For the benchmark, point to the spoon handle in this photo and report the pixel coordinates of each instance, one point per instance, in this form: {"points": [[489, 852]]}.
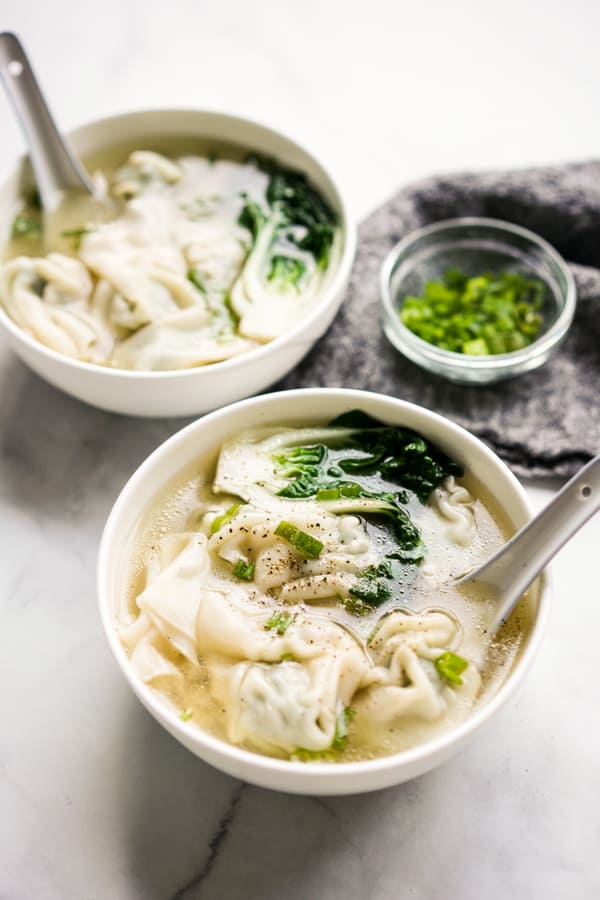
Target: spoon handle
{"points": [[510, 571], [56, 168]]}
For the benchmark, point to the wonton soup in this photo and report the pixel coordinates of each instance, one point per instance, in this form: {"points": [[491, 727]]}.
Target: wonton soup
{"points": [[295, 596], [183, 258]]}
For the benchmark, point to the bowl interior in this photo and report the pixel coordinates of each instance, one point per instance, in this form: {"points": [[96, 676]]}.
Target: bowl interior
{"points": [[183, 451]]}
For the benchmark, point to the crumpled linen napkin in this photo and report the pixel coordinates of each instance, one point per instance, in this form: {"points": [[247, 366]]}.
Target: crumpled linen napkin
{"points": [[544, 424]]}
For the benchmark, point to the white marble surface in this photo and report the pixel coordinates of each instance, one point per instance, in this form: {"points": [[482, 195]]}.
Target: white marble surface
{"points": [[97, 801]]}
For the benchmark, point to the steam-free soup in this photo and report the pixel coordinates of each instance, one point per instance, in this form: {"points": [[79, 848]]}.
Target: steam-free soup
{"points": [[297, 597], [179, 261]]}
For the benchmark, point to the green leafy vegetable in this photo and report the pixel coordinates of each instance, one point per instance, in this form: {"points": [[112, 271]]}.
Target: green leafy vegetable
{"points": [[292, 230], [451, 666], [299, 204], [286, 272], [224, 318], [279, 622], [478, 316], [224, 519], [25, 226], [194, 276], [305, 543], [252, 217], [376, 471], [373, 453], [356, 606], [244, 570], [371, 587]]}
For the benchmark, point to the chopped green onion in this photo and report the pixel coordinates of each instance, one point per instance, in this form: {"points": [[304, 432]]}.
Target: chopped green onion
{"points": [[344, 716], [328, 494], [224, 519], [478, 316], [307, 544], [348, 490], [287, 657], [77, 234], [185, 715], [287, 530], [244, 570], [451, 666], [25, 226], [300, 754], [279, 622]]}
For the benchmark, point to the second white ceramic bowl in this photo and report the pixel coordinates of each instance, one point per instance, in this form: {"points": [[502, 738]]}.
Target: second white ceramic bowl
{"points": [[187, 391], [186, 450]]}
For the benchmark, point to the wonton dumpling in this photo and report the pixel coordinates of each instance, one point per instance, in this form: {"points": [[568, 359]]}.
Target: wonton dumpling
{"points": [[291, 704], [250, 535], [144, 167], [179, 341], [173, 597], [404, 681], [231, 623], [47, 297], [455, 504]]}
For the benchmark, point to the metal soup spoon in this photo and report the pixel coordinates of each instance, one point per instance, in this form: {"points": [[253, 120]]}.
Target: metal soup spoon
{"points": [[508, 574], [55, 166]]}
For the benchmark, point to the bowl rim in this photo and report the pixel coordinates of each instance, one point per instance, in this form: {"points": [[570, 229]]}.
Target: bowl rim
{"points": [[316, 771], [348, 228], [450, 359]]}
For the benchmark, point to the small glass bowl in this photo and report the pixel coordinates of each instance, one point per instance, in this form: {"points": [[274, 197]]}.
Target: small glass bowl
{"points": [[476, 246]]}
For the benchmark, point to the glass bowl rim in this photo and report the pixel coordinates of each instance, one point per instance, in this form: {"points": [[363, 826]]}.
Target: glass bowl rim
{"points": [[541, 347]]}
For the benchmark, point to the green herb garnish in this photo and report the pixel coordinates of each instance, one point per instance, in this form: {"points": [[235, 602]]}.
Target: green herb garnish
{"points": [[77, 234], [478, 316], [224, 519], [185, 715], [244, 570], [279, 622], [25, 226], [305, 543], [301, 754], [451, 666], [345, 715]]}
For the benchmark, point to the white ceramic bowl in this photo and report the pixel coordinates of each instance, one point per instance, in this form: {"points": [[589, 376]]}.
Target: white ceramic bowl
{"points": [[294, 407], [188, 391]]}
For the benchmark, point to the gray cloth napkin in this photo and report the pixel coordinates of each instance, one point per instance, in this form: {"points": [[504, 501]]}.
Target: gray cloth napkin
{"points": [[545, 424]]}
